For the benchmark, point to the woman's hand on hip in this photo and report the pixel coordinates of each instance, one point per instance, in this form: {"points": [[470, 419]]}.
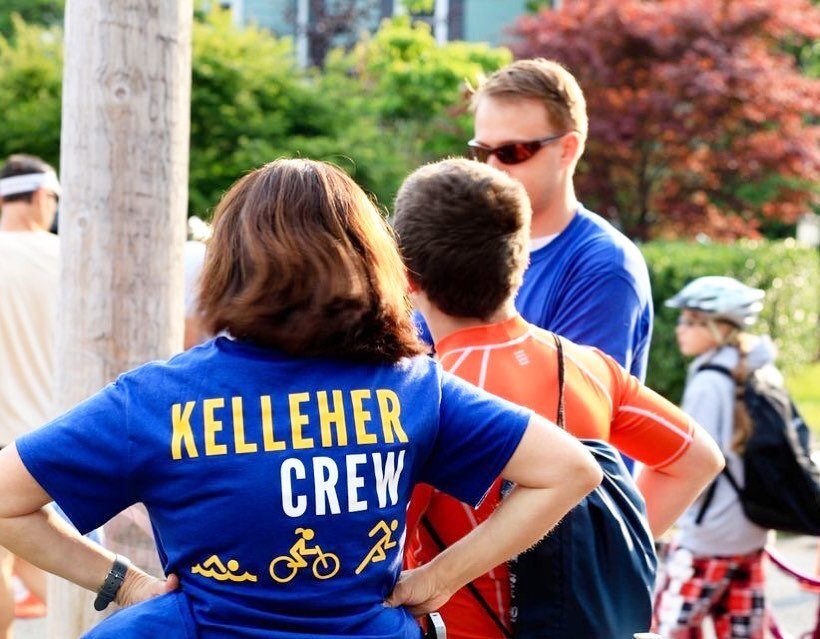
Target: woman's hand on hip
{"points": [[140, 586], [420, 591]]}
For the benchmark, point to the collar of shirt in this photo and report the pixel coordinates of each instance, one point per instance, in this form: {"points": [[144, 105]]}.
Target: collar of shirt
{"points": [[537, 243], [484, 335]]}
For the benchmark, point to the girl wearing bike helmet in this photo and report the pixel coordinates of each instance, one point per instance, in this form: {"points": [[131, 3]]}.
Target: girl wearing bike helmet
{"points": [[716, 569]]}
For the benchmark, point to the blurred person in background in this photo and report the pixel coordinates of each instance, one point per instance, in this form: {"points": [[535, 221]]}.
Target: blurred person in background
{"points": [[716, 569], [199, 232], [29, 280]]}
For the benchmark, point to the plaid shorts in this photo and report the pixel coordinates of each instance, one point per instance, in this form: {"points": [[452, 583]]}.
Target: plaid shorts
{"points": [[728, 589]]}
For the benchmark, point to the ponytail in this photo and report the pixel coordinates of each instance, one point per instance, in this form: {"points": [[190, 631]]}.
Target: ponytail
{"points": [[742, 429]]}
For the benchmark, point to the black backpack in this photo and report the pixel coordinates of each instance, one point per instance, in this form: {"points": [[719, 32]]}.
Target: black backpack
{"points": [[782, 484]]}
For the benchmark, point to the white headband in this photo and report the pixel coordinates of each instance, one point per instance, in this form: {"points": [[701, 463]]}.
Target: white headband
{"points": [[29, 183]]}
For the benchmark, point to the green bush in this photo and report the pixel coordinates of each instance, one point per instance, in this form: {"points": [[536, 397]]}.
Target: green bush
{"points": [[379, 111], [31, 67], [250, 104], [47, 13], [805, 391], [413, 91], [789, 274]]}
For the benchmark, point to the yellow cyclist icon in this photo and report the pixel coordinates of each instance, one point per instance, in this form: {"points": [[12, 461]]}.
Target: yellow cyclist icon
{"points": [[285, 567], [385, 542]]}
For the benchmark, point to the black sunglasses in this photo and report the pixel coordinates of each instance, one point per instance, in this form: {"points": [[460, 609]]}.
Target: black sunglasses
{"points": [[512, 152]]}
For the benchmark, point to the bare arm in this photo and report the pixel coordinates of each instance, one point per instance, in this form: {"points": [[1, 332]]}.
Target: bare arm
{"points": [[553, 472], [670, 490], [681, 457], [44, 539]]}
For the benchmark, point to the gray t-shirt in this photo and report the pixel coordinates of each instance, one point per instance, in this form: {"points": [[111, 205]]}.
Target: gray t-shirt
{"points": [[709, 399]]}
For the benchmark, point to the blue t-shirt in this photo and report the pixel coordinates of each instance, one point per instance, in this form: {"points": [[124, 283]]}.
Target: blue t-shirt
{"points": [[277, 487], [591, 285]]}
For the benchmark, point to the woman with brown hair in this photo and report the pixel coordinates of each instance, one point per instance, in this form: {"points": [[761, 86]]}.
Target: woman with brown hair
{"points": [[277, 460]]}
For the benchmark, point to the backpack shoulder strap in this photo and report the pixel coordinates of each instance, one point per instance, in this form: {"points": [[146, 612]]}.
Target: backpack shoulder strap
{"points": [[709, 495], [727, 473], [716, 367], [559, 347], [710, 492]]}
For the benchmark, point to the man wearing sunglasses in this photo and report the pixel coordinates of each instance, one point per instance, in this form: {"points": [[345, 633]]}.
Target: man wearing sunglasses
{"points": [[585, 280]]}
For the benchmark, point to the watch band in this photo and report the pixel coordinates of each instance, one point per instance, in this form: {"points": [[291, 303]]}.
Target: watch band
{"points": [[112, 583]]}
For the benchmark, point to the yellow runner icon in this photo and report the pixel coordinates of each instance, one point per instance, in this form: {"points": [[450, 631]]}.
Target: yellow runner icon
{"points": [[213, 568], [385, 542], [285, 567]]}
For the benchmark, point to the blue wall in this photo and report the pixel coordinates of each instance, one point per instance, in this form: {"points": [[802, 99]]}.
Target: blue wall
{"points": [[486, 20], [277, 15]]}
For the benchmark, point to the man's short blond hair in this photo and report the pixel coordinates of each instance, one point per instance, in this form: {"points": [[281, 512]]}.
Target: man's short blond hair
{"points": [[543, 80]]}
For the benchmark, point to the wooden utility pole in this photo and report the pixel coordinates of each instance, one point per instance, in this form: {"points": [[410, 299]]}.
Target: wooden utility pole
{"points": [[124, 168]]}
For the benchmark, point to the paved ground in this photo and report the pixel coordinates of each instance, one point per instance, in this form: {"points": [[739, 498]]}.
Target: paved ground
{"points": [[795, 609]]}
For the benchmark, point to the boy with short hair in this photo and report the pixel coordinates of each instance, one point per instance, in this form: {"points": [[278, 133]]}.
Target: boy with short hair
{"points": [[463, 230]]}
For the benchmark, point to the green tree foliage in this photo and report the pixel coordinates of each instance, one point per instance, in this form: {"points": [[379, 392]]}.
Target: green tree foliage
{"points": [[412, 77], [379, 111], [789, 274], [534, 6], [699, 121], [48, 13], [31, 63], [809, 59], [419, 6], [392, 103], [414, 90], [249, 104], [806, 51]]}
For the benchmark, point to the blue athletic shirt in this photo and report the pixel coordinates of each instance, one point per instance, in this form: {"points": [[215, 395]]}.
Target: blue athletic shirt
{"points": [[591, 285], [277, 486]]}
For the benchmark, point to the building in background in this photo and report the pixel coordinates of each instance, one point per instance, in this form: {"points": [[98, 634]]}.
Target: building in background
{"points": [[808, 230], [317, 25]]}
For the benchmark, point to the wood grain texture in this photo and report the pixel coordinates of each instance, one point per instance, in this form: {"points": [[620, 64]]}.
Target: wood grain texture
{"points": [[124, 168]]}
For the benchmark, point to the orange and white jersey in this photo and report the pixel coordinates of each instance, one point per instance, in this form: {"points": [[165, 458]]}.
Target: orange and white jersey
{"points": [[518, 361]]}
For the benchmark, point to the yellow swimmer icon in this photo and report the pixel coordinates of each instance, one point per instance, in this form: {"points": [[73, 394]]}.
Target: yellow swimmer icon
{"points": [[213, 568], [385, 542], [285, 567]]}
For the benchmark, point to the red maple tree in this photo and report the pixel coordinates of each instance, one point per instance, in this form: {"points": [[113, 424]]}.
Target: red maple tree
{"points": [[699, 119]]}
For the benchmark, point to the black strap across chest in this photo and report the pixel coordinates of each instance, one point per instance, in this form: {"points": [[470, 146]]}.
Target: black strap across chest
{"points": [[428, 525]]}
